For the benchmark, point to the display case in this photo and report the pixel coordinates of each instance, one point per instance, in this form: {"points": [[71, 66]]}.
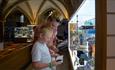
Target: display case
{"points": [[21, 32], [24, 33]]}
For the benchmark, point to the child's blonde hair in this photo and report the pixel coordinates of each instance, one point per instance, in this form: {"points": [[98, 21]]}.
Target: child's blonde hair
{"points": [[42, 30], [46, 31]]}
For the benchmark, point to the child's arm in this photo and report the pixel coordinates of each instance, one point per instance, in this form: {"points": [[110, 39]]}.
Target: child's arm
{"points": [[39, 65]]}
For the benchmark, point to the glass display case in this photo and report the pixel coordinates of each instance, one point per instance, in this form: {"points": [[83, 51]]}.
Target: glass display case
{"points": [[24, 32], [21, 32]]}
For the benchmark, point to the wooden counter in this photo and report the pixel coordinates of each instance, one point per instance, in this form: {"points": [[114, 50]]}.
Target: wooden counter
{"points": [[16, 57]]}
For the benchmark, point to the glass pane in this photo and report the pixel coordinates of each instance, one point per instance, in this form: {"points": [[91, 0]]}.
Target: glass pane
{"points": [[82, 37]]}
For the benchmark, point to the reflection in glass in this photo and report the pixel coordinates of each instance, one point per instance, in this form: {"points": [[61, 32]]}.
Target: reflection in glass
{"points": [[82, 37]]}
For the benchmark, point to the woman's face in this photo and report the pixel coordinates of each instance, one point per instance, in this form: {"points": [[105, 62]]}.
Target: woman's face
{"points": [[55, 24]]}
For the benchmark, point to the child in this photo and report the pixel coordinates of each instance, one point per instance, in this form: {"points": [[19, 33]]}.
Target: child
{"points": [[41, 57]]}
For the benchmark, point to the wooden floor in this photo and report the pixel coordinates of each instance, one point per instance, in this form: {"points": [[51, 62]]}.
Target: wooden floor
{"points": [[66, 65]]}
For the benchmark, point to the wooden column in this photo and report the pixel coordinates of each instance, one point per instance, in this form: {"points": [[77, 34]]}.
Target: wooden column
{"points": [[101, 27]]}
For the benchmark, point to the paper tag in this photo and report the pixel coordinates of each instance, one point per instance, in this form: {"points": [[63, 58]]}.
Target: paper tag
{"points": [[59, 58]]}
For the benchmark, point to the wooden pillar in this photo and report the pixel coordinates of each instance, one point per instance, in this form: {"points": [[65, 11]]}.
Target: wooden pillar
{"points": [[101, 27]]}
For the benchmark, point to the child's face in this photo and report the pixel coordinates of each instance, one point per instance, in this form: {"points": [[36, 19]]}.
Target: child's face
{"points": [[47, 37]]}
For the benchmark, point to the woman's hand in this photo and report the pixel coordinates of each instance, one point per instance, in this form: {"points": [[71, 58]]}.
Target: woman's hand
{"points": [[55, 48], [53, 53]]}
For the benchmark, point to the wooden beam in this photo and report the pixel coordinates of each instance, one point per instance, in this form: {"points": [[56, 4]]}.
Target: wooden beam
{"points": [[111, 13], [101, 34]]}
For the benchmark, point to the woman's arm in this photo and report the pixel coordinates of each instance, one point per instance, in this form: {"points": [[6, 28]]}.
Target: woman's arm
{"points": [[54, 48]]}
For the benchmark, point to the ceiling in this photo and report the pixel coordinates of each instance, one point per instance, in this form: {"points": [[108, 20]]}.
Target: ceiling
{"points": [[35, 8]]}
